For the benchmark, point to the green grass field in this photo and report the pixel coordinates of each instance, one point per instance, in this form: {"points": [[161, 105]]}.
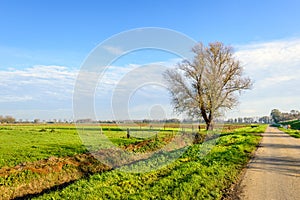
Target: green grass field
{"points": [[34, 142], [37, 158], [30, 143]]}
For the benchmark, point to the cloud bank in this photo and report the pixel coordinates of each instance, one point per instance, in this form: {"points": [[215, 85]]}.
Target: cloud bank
{"points": [[46, 91], [45, 88], [275, 68]]}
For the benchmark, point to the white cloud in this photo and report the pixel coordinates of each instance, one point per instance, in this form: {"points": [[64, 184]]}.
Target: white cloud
{"points": [[133, 87], [37, 74], [38, 82], [9, 98], [114, 50], [275, 81], [273, 62], [37, 92], [275, 68], [270, 55]]}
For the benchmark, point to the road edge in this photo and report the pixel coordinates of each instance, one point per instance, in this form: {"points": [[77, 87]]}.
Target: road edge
{"points": [[234, 191]]}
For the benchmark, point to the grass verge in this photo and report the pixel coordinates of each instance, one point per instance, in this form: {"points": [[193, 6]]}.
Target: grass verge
{"points": [[291, 132]]}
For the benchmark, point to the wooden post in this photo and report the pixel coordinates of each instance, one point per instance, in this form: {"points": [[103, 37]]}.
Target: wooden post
{"points": [[128, 133]]}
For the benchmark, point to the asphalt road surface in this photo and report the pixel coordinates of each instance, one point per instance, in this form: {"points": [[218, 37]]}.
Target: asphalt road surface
{"points": [[274, 172]]}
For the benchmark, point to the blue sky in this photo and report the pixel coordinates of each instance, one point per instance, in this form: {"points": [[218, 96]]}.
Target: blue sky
{"points": [[53, 38]]}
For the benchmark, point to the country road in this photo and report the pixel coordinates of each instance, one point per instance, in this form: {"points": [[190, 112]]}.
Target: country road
{"points": [[274, 172]]}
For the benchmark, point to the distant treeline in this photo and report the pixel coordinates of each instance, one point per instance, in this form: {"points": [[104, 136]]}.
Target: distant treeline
{"points": [[279, 116], [250, 120], [240, 120], [174, 120]]}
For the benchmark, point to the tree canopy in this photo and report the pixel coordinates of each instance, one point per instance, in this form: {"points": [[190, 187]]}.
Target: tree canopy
{"points": [[203, 86]]}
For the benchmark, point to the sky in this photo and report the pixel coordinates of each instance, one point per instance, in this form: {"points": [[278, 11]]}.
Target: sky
{"points": [[44, 44]]}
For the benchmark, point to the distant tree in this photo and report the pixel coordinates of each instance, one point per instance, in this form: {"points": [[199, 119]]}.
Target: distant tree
{"points": [[88, 120], [7, 119], [248, 120], [208, 83], [230, 120], [173, 120], [36, 121], [240, 120], [295, 114], [264, 119], [146, 121], [10, 119], [276, 115]]}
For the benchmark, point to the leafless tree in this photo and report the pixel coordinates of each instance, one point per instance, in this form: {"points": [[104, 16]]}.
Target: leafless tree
{"points": [[7, 119], [207, 84]]}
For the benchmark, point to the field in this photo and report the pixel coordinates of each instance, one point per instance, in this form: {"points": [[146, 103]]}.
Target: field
{"points": [[50, 161]]}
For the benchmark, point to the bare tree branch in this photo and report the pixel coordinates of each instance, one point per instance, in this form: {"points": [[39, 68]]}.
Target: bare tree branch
{"points": [[208, 83]]}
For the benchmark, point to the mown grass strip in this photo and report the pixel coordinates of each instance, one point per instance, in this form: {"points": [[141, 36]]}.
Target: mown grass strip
{"points": [[291, 132]]}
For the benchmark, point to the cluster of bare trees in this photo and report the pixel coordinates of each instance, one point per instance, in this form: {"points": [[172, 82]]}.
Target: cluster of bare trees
{"points": [[7, 119], [208, 84]]}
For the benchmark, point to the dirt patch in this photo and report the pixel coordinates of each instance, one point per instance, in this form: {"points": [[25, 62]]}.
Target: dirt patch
{"points": [[35, 177], [52, 164]]}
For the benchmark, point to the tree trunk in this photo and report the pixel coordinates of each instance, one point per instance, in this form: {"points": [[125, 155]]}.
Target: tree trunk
{"points": [[209, 125]]}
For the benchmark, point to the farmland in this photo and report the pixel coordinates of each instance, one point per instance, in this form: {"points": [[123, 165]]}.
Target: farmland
{"points": [[50, 161]]}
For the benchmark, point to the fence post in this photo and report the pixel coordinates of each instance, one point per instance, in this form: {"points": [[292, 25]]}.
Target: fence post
{"points": [[128, 133]]}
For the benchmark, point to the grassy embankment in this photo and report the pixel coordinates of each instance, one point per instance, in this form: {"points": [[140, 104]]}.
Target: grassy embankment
{"points": [[295, 128], [191, 176]]}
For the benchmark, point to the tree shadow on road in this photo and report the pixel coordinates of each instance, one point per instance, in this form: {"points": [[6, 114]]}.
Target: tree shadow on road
{"points": [[284, 165]]}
